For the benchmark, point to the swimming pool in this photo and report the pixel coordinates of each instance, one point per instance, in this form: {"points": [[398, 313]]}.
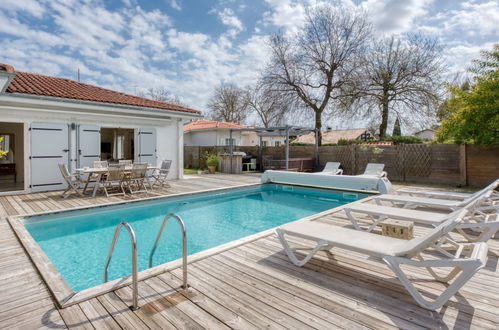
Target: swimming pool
{"points": [[77, 242]]}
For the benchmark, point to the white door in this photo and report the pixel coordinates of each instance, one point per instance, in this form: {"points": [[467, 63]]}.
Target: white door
{"points": [[88, 140], [147, 145], [49, 147]]}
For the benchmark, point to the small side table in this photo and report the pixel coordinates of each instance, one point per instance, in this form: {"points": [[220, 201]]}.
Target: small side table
{"points": [[398, 229], [247, 166]]}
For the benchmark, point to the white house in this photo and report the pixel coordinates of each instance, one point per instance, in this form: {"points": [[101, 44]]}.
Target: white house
{"points": [[426, 134], [48, 120], [217, 133]]}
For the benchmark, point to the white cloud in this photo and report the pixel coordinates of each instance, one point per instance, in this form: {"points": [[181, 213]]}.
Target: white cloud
{"points": [[473, 19], [175, 4], [32, 7], [285, 14], [229, 18], [394, 16]]}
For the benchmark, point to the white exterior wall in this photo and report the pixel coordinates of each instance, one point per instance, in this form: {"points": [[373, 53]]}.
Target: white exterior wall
{"points": [[169, 131], [209, 138]]}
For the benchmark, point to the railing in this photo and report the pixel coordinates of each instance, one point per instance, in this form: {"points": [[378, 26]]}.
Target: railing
{"points": [[135, 305], [184, 245]]}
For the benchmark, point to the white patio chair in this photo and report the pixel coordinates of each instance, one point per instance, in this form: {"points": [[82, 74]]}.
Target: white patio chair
{"points": [[464, 262], [485, 224], [126, 162], [160, 175], [100, 164], [114, 178], [412, 202], [137, 178], [332, 168], [74, 181], [374, 169]]}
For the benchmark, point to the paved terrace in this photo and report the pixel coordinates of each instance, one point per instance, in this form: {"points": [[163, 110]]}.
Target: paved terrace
{"points": [[250, 286]]}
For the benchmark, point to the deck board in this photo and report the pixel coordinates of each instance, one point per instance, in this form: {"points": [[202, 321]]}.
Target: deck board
{"points": [[246, 287]]}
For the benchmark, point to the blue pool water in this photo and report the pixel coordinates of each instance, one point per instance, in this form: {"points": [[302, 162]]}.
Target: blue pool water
{"points": [[77, 242]]}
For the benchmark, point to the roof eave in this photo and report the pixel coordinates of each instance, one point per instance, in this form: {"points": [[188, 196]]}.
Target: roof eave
{"points": [[22, 98]]}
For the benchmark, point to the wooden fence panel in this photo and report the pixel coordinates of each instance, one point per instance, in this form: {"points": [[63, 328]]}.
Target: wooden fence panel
{"points": [[482, 165], [424, 163]]}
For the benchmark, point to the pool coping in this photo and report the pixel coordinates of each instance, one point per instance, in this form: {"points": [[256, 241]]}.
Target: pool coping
{"points": [[65, 296]]}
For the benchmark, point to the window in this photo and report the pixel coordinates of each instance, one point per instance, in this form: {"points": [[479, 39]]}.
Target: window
{"points": [[277, 143], [227, 142], [264, 143]]}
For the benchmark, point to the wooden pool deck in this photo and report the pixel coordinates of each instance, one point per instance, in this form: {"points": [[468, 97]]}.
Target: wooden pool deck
{"points": [[247, 287]]}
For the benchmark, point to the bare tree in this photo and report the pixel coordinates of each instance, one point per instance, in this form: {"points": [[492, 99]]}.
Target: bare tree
{"points": [[228, 103], [162, 94], [314, 65], [271, 107], [401, 76]]}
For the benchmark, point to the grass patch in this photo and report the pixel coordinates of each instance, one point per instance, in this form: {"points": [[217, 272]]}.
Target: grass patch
{"points": [[191, 170]]}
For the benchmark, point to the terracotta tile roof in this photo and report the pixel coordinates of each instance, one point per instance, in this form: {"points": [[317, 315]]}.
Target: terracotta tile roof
{"points": [[207, 124], [330, 137], [37, 84]]}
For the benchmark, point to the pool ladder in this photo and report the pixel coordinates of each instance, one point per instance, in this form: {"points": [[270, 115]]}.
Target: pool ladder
{"points": [[133, 240]]}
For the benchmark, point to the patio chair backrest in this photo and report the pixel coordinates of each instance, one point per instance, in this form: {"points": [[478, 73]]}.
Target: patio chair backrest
{"points": [[65, 172], [116, 172], [419, 244], [101, 164], [331, 167], [374, 169], [139, 170], [490, 188], [165, 166], [126, 162]]}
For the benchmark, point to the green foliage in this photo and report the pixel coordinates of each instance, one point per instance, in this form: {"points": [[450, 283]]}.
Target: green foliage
{"points": [[3, 153], [397, 131], [473, 116], [212, 160], [346, 142], [404, 139]]}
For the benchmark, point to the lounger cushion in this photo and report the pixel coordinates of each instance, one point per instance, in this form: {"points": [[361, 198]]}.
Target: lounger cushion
{"points": [[351, 239], [398, 213]]}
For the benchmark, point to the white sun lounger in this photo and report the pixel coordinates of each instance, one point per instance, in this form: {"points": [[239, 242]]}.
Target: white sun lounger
{"points": [[485, 224], [465, 262], [374, 169], [410, 201], [445, 194], [332, 168]]}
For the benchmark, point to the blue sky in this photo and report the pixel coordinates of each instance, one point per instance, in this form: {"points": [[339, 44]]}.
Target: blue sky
{"points": [[190, 46]]}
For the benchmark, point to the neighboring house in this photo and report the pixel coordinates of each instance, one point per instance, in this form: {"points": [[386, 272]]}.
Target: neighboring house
{"points": [[211, 133], [49, 120], [217, 133], [333, 136], [426, 134]]}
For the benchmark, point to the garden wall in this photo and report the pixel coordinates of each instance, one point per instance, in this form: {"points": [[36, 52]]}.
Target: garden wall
{"points": [[422, 163]]}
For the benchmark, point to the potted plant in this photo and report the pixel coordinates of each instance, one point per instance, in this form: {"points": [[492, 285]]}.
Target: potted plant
{"points": [[212, 162]]}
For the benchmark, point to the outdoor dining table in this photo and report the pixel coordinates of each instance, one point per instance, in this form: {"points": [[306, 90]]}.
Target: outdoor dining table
{"points": [[97, 172]]}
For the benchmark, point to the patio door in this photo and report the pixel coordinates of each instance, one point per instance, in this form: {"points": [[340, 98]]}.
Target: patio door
{"points": [[147, 145], [88, 141], [49, 147]]}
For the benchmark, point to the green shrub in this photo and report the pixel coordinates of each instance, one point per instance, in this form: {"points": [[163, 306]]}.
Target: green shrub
{"points": [[212, 160], [404, 139]]}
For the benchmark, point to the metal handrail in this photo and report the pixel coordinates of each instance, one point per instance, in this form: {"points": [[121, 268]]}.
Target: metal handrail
{"points": [[184, 245], [133, 239]]}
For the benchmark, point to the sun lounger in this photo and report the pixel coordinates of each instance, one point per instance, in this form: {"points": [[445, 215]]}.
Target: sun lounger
{"points": [[444, 194], [332, 168], [465, 261], [484, 224], [411, 201], [376, 170]]}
